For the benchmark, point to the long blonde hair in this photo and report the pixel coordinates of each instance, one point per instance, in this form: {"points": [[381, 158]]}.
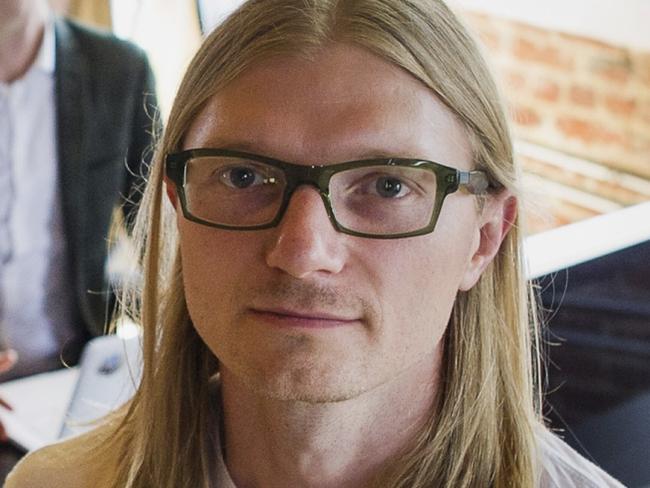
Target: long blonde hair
{"points": [[482, 431]]}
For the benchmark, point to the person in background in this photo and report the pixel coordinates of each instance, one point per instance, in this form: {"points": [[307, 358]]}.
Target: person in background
{"points": [[76, 117], [335, 296]]}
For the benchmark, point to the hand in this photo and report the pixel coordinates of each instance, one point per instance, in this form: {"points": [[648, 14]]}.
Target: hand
{"points": [[8, 358]]}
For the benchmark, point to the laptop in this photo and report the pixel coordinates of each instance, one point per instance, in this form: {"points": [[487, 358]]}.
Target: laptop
{"points": [[52, 406]]}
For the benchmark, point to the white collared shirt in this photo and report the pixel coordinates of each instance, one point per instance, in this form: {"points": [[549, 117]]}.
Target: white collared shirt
{"points": [[35, 289], [67, 464]]}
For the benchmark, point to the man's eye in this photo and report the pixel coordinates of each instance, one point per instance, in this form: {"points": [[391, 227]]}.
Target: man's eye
{"points": [[241, 177], [384, 186], [390, 187]]}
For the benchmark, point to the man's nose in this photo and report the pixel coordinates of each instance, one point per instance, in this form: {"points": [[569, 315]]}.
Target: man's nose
{"points": [[305, 241]]}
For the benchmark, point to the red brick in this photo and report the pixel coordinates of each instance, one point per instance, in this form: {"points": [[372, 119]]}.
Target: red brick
{"points": [[587, 131], [620, 105], [525, 116], [615, 69], [526, 50], [514, 80], [582, 95], [547, 90], [523, 29], [619, 75]]}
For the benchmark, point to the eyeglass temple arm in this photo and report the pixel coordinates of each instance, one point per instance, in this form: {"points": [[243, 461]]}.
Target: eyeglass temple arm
{"points": [[475, 182]]}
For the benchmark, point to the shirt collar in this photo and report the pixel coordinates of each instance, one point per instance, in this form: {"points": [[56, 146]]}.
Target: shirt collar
{"points": [[46, 57]]}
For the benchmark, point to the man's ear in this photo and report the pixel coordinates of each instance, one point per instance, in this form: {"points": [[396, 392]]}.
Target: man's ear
{"points": [[170, 189], [496, 220]]}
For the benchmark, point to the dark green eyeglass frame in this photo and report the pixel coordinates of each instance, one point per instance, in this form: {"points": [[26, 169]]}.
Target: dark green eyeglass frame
{"points": [[448, 180]]}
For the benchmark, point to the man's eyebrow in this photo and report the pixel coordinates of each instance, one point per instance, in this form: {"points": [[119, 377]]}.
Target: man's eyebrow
{"points": [[384, 155]]}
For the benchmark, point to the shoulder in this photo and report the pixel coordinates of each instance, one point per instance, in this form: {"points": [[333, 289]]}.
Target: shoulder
{"points": [[64, 464], [45, 467], [113, 72], [97, 44], [562, 466]]}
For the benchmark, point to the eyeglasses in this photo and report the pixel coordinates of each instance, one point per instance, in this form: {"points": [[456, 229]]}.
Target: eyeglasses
{"points": [[378, 198]]}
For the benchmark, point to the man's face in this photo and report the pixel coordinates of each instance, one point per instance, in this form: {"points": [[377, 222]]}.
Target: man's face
{"points": [[301, 311]]}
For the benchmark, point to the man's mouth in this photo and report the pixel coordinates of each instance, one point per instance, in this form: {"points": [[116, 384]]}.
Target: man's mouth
{"points": [[286, 317]]}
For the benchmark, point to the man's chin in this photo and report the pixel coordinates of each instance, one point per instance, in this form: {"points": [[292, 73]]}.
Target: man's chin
{"points": [[307, 390]]}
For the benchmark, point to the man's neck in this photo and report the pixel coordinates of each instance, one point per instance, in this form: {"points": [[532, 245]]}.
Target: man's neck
{"points": [[21, 33], [343, 444]]}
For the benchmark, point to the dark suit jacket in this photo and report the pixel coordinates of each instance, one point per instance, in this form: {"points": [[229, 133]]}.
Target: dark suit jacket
{"points": [[105, 102]]}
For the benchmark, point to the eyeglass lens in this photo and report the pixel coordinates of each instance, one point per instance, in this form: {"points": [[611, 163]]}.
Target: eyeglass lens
{"points": [[379, 199]]}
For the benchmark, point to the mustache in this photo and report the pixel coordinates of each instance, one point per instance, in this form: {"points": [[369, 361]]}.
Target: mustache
{"points": [[303, 295]]}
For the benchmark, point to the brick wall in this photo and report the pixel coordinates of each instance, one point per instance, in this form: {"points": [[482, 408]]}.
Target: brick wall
{"points": [[581, 98]]}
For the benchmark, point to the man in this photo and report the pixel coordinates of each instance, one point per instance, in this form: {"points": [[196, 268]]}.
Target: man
{"points": [[336, 300], [76, 111]]}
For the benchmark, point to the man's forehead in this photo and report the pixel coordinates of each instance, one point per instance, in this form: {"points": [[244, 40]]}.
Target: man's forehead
{"points": [[337, 75], [326, 67], [344, 96]]}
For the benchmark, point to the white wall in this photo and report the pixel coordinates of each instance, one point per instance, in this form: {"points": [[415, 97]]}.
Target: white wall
{"points": [[582, 241], [168, 31], [618, 22], [214, 11]]}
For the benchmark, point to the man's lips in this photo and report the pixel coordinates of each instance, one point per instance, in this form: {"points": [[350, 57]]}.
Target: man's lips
{"points": [[309, 319]]}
